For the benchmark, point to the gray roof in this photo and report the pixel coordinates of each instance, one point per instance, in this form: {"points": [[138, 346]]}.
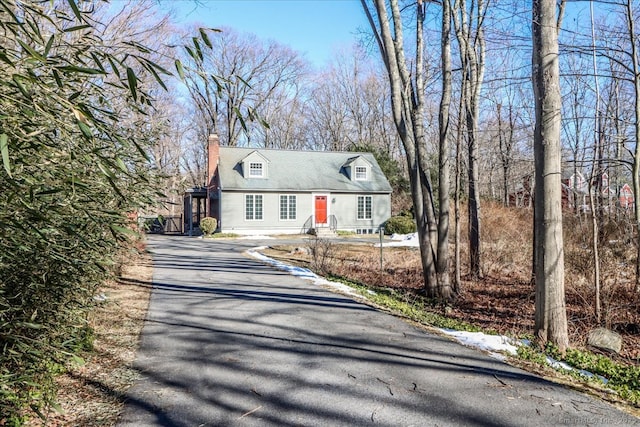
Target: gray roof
{"points": [[299, 171]]}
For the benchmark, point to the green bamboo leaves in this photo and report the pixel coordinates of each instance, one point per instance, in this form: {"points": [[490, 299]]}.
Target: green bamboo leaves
{"points": [[75, 163], [4, 152]]}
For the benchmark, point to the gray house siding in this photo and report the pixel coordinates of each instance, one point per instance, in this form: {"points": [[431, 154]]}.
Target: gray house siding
{"points": [[345, 208], [233, 213], [342, 206]]}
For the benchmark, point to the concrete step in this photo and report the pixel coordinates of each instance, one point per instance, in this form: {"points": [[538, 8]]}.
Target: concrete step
{"points": [[325, 232]]}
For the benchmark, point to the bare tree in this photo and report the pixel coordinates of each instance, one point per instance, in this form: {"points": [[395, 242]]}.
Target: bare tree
{"points": [[285, 114], [444, 176], [468, 19], [550, 313], [327, 115], [408, 102], [635, 70], [231, 82]]}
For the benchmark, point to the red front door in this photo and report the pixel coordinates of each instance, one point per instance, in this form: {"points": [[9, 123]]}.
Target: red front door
{"points": [[321, 209]]}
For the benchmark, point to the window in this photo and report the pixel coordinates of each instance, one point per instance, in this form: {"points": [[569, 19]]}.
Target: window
{"points": [[253, 207], [361, 173], [256, 170], [287, 207], [364, 207]]}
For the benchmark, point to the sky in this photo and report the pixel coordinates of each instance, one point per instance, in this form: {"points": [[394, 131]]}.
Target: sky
{"points": [[315, 28]]}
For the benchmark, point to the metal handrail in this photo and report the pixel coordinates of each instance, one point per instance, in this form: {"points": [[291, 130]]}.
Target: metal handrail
{"points": [[308, 224], [333, 223]]}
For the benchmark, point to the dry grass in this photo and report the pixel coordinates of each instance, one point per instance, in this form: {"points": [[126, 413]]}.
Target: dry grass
{"points": [[91, 394]]}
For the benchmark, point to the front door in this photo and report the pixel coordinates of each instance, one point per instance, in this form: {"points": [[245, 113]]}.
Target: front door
{"points": [[321, 209]]}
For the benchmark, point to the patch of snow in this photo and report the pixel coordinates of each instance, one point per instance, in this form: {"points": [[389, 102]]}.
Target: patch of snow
{"points": [[410, 240], [101, 297], [256, 237], [304, 273], [561, 366], [495, 345]]}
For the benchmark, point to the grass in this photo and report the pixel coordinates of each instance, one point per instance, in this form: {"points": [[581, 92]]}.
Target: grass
{"points": [[609, 379], [413, 308]]}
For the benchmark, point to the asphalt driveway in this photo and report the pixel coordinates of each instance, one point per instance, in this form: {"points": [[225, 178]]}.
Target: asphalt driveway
{"points": [[230, 341]]}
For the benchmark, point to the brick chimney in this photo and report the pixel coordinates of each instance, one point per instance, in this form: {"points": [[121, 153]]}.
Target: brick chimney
{"points": [[213, 154]]}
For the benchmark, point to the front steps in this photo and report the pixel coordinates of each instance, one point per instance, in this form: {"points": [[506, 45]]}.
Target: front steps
{"points": [[324, 232]]}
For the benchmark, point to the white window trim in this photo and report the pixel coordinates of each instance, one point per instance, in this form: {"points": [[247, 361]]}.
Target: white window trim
{"points": [[288, 196], [254, 207], [251, 175], [366, 173], [364, 208]]}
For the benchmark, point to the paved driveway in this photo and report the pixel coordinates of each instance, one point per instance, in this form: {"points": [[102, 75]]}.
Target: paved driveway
{"points": [[230, 341]]}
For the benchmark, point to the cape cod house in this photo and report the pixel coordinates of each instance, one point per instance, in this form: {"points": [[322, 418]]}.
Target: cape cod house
{"points": [[266, 191]]}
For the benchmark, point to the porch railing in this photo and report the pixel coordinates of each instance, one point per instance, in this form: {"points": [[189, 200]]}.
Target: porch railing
{"points": [[333, 223], [309, 224]]}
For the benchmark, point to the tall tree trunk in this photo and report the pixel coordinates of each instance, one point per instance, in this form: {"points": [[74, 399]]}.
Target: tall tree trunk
{"points": [[408, 114], [442, 266], [475, 264], [550, 310], [596, 173], [635, 67], [469, 31], [458, 172]]}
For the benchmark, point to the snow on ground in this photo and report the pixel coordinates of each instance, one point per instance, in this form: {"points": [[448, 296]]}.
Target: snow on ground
{"points": [[496, 345], [561, 366], [410, 240], [304, 273]]}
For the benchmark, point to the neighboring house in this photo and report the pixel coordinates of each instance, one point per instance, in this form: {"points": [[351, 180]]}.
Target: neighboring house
{"points": [[576, 187], [575, 193], [625, 197], [264, 191]]}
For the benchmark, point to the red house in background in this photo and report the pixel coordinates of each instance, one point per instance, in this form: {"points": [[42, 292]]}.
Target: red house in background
{"points": [[575, 193], [625, 197]]}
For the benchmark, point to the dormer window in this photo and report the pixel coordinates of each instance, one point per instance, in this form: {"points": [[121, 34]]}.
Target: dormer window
{"points": [[357, 169], [256, 170], [361, 173], [255, 166]]}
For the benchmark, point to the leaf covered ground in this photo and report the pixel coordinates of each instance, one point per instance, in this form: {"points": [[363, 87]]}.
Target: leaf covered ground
{"points": [[91, 394]]}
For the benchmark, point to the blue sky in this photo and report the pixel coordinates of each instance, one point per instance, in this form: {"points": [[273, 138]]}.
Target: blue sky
{"points": [[315, 28]]}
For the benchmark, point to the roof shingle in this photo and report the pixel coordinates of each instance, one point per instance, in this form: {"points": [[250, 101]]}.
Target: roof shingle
{"points": [[299, 171]]}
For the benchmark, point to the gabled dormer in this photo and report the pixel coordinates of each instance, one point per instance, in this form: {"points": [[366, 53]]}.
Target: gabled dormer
{"points": [[358, 169], [255, 166]]}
